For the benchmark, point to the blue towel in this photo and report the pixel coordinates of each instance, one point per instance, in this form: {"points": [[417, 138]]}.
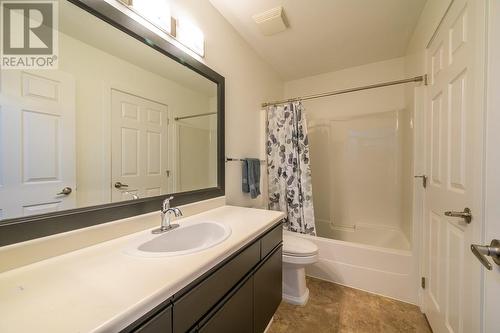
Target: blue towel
{"points": [[250, 177]]}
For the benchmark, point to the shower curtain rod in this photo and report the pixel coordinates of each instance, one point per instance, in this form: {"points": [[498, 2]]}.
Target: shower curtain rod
{"points": [[195, 115], [422, 78]]}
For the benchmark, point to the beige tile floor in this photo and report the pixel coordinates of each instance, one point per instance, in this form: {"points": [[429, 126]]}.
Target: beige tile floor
{"points": [[335, 308]]}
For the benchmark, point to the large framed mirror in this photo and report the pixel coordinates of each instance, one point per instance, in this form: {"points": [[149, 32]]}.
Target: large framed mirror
{"points": [[126, 119]]}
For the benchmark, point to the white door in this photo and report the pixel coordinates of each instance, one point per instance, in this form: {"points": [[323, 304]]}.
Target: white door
{"points": [[37, 142], [454, 160], [139, 149], [492, 181]]}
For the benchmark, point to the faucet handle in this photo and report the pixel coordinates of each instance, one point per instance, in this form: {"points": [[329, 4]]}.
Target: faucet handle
{"points": [[178, 212], [166, 203]]}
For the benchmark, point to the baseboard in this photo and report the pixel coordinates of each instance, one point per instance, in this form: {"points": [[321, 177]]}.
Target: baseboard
{"points": [[269, 325], [428, 324]]}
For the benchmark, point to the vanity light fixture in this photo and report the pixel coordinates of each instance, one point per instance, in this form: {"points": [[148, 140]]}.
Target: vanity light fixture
{"points": [[155, 11], [153, 14], [188, 34], [156, 15]]}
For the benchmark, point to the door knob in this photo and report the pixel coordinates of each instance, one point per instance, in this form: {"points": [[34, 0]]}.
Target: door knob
{"points": [[493, 251], [120, 185], [65, 191], [466, 214]]}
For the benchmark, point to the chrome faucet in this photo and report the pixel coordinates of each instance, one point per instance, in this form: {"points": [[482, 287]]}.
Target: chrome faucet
{"points": [[166, 213]]}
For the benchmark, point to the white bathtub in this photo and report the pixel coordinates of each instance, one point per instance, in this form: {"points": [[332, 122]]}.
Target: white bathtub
{"points": [[369, 234], [383, 271]]}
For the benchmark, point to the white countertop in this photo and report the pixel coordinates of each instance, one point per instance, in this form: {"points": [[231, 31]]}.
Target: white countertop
{"points": [[103, 289]]}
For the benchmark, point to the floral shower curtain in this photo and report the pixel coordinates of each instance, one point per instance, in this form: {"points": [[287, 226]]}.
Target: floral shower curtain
{"points": [[290, 188]]}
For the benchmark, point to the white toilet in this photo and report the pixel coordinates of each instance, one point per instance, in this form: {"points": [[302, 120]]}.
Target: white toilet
{"points": [[297, 253]]}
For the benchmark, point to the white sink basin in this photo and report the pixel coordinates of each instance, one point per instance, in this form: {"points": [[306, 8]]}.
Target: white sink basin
{"points": [[186, 239]]}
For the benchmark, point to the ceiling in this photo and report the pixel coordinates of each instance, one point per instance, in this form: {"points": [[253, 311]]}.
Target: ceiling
{"points": [[326, 35]]}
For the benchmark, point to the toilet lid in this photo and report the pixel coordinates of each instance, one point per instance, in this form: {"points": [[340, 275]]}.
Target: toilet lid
{"points": [[296, 246]]}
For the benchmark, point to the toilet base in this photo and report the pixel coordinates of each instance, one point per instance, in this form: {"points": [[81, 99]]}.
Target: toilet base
{"points": [[300, 300], [295, 290]]}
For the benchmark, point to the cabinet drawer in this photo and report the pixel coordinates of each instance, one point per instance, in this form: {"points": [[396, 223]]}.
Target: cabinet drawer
{"points": [[271, 240], [198, 301], [267, 290], [236, 315], [160, 323]]}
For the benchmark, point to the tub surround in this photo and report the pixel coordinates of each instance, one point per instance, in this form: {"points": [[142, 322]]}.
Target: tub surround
{"points": [[100, 288]]}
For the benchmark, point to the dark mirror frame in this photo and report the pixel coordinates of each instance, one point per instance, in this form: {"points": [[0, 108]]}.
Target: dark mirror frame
{"points": [[26, 228]]}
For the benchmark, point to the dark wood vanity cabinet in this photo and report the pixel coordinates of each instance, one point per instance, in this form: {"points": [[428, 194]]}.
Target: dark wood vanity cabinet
{"points": [[236, 314], [253, 304], [161, 322], [241, 294], [267, 290], [191, 306]]}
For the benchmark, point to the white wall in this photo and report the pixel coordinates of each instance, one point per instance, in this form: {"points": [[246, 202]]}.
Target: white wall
{"points": [[249, 82], [369, 102], [194, 159], [363, 102]]}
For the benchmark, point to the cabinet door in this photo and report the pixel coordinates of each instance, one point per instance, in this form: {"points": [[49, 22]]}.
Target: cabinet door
{"points": [[198, 301], [234, 316], [160, 323], [272, 239], [267, 290]]}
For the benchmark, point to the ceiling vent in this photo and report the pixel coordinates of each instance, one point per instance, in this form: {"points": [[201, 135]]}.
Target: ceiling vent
{"points": [[271, 21]]}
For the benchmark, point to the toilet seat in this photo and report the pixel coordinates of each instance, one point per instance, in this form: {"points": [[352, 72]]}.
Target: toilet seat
{"points": [[291, 259], [294, 246]]}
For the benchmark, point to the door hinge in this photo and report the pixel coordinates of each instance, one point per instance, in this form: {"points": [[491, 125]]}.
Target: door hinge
{"points": [[422, 283], [424, 180]]}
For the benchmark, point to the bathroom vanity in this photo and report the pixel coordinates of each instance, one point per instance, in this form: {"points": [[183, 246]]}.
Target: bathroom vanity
{"points": [[240, 294], [234, 286]]}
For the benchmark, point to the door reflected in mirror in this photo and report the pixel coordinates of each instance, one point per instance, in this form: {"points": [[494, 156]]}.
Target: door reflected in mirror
{"points": [[116, 121]]}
